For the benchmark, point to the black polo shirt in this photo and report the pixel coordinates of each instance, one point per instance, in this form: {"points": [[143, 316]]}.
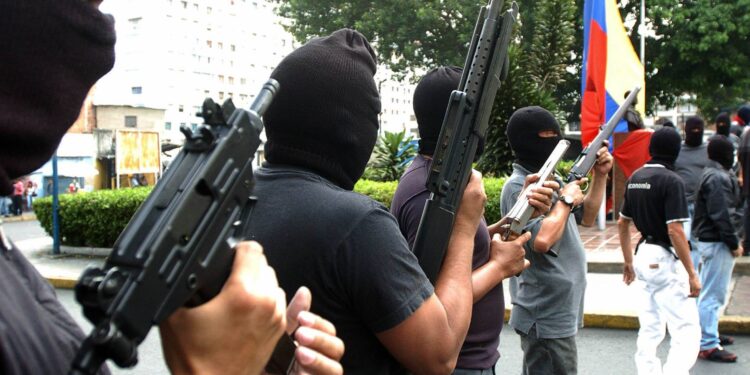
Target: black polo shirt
{"points": [[655, 197]]}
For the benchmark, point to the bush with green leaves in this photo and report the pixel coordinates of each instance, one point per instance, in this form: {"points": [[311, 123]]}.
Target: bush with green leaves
{"points": [[92, 219], [96, 219]]}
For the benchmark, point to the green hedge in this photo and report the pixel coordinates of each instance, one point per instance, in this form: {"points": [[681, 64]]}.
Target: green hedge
{"points": [[91, 219], [96, 219]]}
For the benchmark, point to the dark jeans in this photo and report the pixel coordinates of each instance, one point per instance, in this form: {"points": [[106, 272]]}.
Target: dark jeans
{"points": [[746, 218], [548, 356], [17, 208]]}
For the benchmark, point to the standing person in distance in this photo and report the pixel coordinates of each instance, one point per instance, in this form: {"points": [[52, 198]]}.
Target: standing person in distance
{"points": [[548, 296], [655, 201], [743, 156], [493, 260], [689, 166], [717, 224]]}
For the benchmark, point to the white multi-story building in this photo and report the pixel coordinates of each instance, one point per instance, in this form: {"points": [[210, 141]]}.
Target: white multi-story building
{"points": [[172, 54], [397, 112]]}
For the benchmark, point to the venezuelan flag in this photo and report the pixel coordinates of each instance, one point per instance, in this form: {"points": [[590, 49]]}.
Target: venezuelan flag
{"points": [[610, 67]]}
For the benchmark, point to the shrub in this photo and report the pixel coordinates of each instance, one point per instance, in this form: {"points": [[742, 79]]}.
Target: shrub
{"points": [[96, 219], [92, 219]]}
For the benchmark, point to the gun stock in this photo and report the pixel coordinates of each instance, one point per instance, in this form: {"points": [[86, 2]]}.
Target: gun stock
{"points": [[178, 248], [465, 122]]}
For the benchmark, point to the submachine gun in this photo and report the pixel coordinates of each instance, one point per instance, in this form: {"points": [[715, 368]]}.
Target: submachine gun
{"points": [[465, 123], [587, 158], [178, 248]]}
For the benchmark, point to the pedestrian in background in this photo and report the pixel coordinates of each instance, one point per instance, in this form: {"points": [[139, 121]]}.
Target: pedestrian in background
{"points": [[743, 155], [30, 194], [717, 224], [689, 166], [655, 201], [18, 189]]}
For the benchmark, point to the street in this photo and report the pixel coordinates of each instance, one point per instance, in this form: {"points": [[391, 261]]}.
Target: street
{"points": [[600, 351]]}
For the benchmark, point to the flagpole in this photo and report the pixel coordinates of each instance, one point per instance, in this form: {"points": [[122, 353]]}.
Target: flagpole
{"points": [[642, 31]]}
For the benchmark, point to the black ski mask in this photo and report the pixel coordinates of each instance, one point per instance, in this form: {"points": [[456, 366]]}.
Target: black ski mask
{"points": [[694, 131], [532, 150], [53, 52], [723, 123], [720, 150], [664, 147]]}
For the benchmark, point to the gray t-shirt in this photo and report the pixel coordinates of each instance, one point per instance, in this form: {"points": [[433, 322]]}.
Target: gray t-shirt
{"points": [[549, 294], [689, 166]]}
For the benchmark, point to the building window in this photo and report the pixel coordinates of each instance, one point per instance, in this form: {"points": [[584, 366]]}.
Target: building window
{"points": [[136, 90], [182, 125], [208, 10], [221, 78], [184, 4], [243, 81], [231, 80], [167, 125], [221, 45], [131, 121], [221, 95], [209, 43], [231, 47], [181, 108]]}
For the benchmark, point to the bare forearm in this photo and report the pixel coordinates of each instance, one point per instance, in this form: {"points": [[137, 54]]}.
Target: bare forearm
{"points": [[454, 288], [552, 228], [485, 278], [623, 228], [593, 200]]}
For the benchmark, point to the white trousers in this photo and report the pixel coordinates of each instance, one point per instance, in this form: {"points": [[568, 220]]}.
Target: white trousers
{"points": [[664, 304]]}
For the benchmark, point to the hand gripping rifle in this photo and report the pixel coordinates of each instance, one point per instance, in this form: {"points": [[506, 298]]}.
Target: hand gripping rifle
{"points": [[464, 124], [515, 221], [586, 160], [178, 248]]}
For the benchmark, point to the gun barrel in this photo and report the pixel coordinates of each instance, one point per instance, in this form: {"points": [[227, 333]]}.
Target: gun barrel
{"points": [[265, 96], [587, 158]]}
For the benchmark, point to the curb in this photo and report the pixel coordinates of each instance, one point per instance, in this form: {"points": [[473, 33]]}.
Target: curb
{"points": [[727, 324]]}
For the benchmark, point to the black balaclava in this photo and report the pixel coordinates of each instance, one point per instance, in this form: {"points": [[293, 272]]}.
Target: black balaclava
{"points": [[325, 116], [720, 150], [430, 102], [694, 131], [51, 53], [664, 147], [744, 114], [530, 149], [723, 122], [668, 124]]}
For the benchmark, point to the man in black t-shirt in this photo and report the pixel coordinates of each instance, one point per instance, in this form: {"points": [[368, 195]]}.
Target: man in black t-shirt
{"points": [[655, 201], [347, 248]]}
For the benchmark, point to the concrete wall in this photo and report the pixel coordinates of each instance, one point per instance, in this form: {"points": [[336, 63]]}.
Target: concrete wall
{"points": [[113, 117]]}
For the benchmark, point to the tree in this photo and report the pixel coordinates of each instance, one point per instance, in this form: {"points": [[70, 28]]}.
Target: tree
{"points": [[412, 35], [698, 47]]}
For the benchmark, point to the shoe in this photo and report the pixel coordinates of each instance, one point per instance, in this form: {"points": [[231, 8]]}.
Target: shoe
{"points": [[726, 340], [717, 355]]}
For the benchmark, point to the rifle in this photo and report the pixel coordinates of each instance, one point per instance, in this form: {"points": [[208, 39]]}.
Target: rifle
{"points": [[178, 248], [465, 123], [516, 219], [586, 160]]}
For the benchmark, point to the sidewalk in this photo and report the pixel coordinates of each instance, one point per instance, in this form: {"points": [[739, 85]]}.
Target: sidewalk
{"points": [[609, 303]]}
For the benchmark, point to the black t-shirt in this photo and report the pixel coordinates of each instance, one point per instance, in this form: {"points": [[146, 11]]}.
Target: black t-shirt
{"points": [[37, 336], [348, 250], [655, 197]]}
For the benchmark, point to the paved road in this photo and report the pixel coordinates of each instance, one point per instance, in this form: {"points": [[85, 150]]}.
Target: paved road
{"points": [[601, 351]]}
